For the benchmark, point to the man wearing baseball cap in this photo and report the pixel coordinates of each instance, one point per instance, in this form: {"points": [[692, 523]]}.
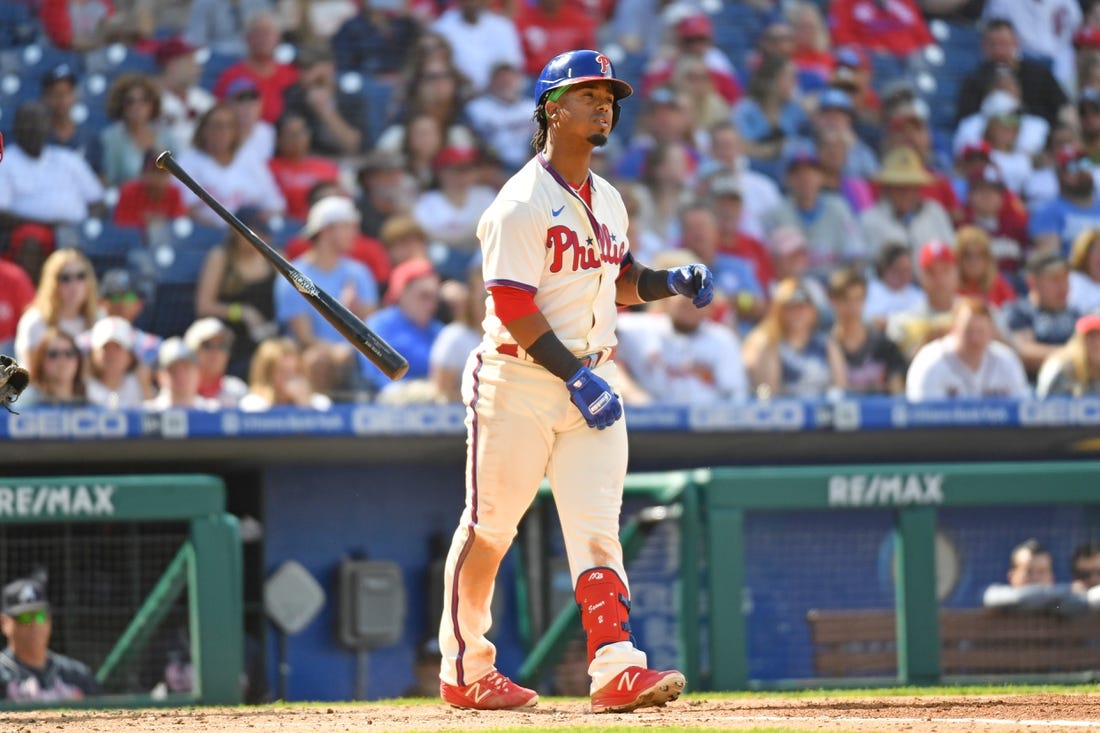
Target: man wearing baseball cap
{"points": [[939, 279], [29, 671], [332, 226], [1054, 226], [1043, 321]]}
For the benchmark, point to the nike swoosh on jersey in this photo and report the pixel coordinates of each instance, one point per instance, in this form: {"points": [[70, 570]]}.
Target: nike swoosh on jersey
{"points": [[558, 210]]}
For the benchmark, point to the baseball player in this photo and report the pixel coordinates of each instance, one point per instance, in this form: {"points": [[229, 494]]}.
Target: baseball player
{"points": [[541, 395]]}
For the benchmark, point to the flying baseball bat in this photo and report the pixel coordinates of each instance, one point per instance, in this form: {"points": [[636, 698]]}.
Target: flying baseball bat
{"points": [[370, 344]]}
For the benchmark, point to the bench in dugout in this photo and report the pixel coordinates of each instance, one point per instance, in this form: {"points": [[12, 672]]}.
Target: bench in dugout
{"points": [[976, 641]]}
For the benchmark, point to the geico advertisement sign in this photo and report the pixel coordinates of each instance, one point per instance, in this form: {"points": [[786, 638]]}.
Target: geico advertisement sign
{"points": [[68, 423]]}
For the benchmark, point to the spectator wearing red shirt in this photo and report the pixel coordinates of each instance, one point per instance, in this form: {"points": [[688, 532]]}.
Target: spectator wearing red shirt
{"points": [[271, 77], [695, 37], [16, 293], [812, 54], [725, 192], [367, 250], [548, 27], [148, 198], [996, 210], [294, 170], [895, 27]]}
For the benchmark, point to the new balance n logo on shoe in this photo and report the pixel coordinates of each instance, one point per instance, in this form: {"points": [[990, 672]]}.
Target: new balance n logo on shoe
{"points": [[475, 693], [627, 682]]}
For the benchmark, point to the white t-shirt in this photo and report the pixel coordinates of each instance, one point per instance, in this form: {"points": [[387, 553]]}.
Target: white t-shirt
{"points": [[32, 325], [255, 403], [58, 185], [259, 146], [680, 368], [163, 401], [453, 345], [179, 117], [506, 127], [1084, 292], [453, 225], [128, 396], [243, 181], [882, 302], [938, 374], [1031, 138], [480, 46], [233, 390]]}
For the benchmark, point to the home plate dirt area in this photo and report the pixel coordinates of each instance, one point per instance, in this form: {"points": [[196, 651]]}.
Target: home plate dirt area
{"points": [[1034, 712]]}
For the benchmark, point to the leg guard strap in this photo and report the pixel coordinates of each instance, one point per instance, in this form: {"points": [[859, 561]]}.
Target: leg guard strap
{"points": [[604, 604]]}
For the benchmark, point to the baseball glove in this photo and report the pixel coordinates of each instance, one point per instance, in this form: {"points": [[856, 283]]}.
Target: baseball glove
{"points": [[13, 380]]}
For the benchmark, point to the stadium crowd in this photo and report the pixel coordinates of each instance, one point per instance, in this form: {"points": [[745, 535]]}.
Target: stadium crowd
{"points": [[895, 198]]}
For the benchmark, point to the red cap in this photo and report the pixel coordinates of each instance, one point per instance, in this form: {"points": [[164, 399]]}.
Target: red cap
{"points": [[404, 274], [453, 156], [1067, 154], [695, 26], [172, 48], [1087, 323], [936, 250], [980, 149], [1087, 36]]}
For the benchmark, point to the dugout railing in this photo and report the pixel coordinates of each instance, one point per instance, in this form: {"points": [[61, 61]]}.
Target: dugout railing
{"points": [[914, 495], [87, 533]]}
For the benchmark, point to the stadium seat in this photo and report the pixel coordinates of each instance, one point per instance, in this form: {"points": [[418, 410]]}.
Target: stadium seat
{"points": [[172, 309], [106, 244], [213, 64], [187, 235], [376, 96], [178, 266], [117, 59], [18, 26], [14, 91]]}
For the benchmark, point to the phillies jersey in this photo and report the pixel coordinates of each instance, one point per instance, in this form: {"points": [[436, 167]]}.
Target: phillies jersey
{"points": [[538, 235]]}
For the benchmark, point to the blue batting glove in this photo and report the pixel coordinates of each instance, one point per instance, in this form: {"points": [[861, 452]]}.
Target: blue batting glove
{"points": [[692, 281], [593, 397]]}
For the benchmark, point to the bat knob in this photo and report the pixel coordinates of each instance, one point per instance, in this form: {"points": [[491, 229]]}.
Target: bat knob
{"points": [[162, 160]]}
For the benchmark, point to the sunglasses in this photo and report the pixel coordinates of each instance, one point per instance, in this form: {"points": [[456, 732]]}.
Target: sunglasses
{"points": [[31, 617], [123, 298], [62, 353], [68, 277], [1078, 166]]}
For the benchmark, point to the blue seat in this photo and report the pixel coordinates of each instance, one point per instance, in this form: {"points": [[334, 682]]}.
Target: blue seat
{"points": [[183, 267], [376, 96], [187, 235], [116, 59], [213, 64], [107, 245], [14, 91], [172, 309]]}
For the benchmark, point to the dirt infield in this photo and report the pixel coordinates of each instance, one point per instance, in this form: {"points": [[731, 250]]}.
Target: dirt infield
{"points": [[1038, 712]]}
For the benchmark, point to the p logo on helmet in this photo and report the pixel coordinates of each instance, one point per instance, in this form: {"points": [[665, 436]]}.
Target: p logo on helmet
{"points": [[574, 67]]}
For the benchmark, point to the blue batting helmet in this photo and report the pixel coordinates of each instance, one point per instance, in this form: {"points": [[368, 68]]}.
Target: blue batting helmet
{"points": [[574, 67]]}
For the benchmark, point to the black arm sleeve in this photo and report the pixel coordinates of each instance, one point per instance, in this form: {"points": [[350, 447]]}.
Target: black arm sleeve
{"points": [[552, 355], [653, 284]]}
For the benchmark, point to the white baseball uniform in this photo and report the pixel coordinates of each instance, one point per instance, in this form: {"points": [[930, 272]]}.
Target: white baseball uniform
{"points": [[539, 236]]}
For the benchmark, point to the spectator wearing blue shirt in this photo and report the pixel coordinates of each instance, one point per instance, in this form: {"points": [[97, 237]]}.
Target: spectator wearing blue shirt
{"points": [[332, 226], [768, 117], [1054, 225], [408, 321]]}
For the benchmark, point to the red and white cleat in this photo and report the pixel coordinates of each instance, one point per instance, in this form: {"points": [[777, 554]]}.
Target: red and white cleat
{"points": [[494, 691], [638, 687]]}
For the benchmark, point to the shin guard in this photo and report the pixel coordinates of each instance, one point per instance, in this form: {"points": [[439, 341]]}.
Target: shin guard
{"points": [[602, 598]]}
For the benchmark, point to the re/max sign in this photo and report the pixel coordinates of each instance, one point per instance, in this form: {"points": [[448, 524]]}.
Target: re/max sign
{"points": [[889, 489], [57, 501]]}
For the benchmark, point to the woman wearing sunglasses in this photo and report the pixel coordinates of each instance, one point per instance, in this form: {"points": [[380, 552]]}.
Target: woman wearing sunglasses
{"points": [[57, 372], [67, 298]]}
